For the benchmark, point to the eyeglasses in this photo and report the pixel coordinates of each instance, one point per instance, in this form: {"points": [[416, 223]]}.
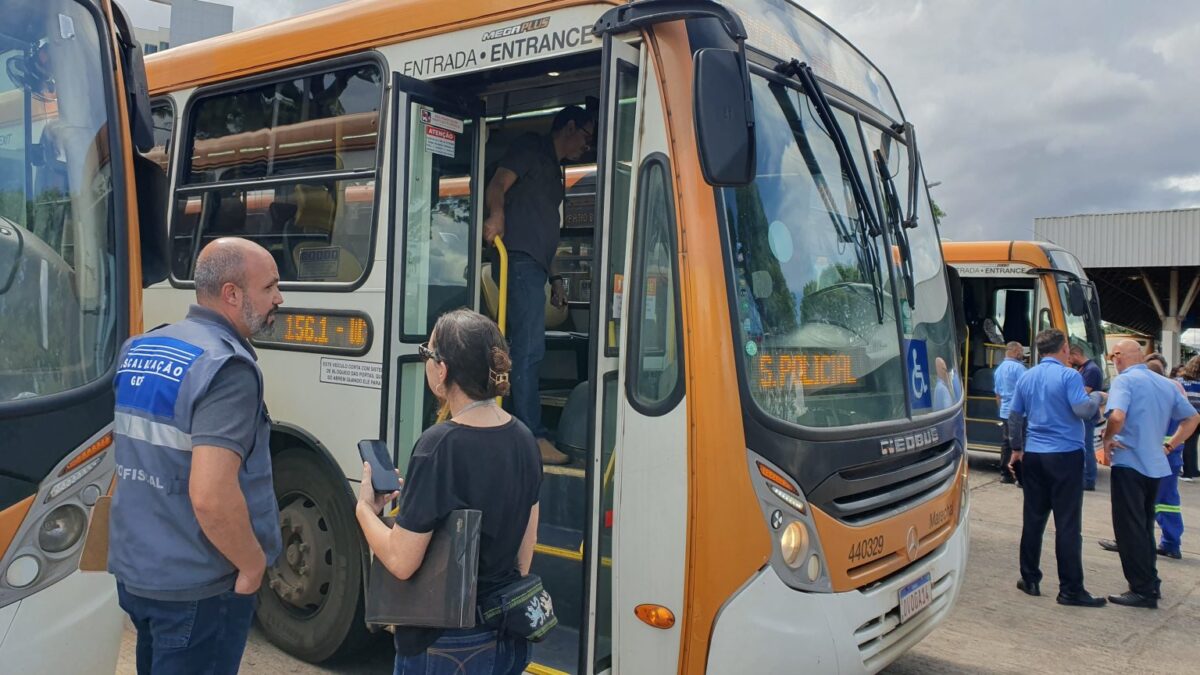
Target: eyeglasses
{"points": [[426, 353]]}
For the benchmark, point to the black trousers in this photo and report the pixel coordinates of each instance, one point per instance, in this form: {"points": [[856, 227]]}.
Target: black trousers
{"points": [[1190, 467], [1133, 498], [1053, 482]]}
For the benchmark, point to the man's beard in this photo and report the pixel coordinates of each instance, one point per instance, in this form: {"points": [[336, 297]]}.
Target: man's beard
{"points": [[258, 324]]}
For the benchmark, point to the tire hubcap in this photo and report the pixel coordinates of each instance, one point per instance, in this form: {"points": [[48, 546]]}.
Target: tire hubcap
{"points": [[302, 576]]}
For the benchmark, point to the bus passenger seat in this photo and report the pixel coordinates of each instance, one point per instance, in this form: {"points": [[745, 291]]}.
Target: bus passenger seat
{"points": [[572, 436], [555, 316]]}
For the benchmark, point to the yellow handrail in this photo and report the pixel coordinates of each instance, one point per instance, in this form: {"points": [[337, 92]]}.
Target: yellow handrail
{"points": [[502, 310], [502, 303]]}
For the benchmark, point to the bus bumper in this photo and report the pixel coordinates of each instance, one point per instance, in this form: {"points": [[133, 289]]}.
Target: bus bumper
{"points": [[771, 628], [73, 626]]}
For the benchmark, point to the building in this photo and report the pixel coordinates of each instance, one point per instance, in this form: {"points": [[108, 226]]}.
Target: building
{"points": [[191, 21], [1145, 264]]}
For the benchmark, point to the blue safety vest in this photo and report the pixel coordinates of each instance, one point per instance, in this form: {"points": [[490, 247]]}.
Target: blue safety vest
{"points": [[156, 546]]}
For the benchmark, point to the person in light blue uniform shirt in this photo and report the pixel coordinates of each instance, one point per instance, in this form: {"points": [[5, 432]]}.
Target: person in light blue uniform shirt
{"points": [[1093, 380], [1141, 405], [1045, 423], [1004, 382]]}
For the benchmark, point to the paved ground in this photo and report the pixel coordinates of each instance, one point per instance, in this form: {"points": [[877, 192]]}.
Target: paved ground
{"points": [[994, 628]]}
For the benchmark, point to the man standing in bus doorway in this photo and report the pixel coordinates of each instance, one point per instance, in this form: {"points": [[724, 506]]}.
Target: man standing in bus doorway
{"points": [[1004, 382], [194, 521], [1140, 408], [1093, 380], [523, 200], [1046, 429]]}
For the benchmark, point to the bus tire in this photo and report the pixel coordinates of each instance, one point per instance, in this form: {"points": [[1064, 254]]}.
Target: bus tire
{"points": [[311, 600]]}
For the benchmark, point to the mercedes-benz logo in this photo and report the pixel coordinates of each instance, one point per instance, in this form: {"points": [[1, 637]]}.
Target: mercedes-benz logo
{"points": [[911, 543], [776, 519]]}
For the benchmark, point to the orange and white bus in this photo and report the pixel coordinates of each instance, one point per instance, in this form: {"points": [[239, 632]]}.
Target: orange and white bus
{"points": [[757, 395], [72, 105], [1011, 290]]}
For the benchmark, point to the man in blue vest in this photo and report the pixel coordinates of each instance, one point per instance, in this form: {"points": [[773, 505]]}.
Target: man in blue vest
{"points": [[194, 521], [1045, 427], [1140, 408]]}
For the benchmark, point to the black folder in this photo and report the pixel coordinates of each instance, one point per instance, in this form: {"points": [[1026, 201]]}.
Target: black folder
{"points": [[442, 592]]}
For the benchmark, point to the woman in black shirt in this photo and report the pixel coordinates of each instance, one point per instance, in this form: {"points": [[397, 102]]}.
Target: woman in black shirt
{"points": [[482, 458]]}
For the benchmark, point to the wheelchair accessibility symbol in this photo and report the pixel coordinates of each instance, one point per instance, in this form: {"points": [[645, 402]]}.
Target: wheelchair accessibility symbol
{"points": [[919, 377]]}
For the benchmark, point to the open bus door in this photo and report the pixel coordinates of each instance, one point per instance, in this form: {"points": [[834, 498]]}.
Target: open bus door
{"points": [[436, 205]]}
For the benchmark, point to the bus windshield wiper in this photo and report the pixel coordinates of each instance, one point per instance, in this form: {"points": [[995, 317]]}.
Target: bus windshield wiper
{"points": [[892, 202], [868, 223], [914, 172], [867, 257]]}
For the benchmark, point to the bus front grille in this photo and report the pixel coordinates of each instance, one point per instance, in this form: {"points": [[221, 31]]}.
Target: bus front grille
{"points": [[866, 494]]}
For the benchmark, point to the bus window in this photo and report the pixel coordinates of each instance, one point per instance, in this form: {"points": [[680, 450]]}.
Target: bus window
{"points": [[289, 164], [624, 124], [654, 379], [162, 112], [57, 219]]}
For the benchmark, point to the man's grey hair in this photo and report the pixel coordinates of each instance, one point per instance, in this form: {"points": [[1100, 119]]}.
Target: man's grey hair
{"points": [[221, 265]]}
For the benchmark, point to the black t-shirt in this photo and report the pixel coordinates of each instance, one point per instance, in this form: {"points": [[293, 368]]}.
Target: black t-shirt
{"points": [[532, 222], [497, 470]]}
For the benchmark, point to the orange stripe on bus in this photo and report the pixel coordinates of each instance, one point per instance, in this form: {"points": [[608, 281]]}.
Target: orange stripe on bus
{"points": [[10, 521]]}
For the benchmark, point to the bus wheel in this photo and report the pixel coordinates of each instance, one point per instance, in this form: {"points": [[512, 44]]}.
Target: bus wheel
{"points": [[311, 603]]}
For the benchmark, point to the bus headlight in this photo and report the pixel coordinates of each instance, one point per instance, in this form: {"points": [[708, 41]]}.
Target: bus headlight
{"points": [[62, 528], [793, 544]]}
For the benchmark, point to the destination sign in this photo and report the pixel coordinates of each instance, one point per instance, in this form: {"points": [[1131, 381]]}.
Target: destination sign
{"points": [[315, 330], [785, 369]]}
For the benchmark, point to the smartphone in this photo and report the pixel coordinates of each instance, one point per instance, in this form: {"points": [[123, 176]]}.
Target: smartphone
{"points": [[383, 472]]}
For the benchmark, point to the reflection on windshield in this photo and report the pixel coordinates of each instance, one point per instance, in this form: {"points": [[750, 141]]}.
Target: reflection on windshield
{"points": [[817, 353], [57, 297], [1082, 311], [927, 318]]}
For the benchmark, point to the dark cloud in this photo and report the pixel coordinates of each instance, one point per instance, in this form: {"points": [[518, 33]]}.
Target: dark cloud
{"points": [[1040, 108]]}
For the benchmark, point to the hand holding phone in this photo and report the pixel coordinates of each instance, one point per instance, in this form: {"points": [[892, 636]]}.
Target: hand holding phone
{"points": [[383, 473]]}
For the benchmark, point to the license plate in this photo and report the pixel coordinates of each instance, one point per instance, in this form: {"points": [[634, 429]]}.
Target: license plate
{"points": [[915, 597]]}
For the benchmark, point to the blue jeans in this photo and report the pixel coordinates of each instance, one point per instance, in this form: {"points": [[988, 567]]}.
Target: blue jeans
{"points": [[1166, 505], [1089, 456], [201, 637], [527, 337], [468, 651]]}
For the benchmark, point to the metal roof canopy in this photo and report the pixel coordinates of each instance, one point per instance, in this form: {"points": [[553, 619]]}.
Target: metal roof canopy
{"points": [[1146, 266]]}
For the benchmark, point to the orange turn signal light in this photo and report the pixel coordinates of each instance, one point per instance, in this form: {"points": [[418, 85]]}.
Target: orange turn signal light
{"points": [[656, 616], [92, 450], [776, 478]]}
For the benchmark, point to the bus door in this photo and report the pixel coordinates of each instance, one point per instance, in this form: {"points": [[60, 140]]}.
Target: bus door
{"points": [[436, 202], [617, 152]]}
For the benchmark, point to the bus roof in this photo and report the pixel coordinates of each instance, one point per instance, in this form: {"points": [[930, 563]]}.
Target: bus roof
{"points": [[344, 28], [1029, 252]]}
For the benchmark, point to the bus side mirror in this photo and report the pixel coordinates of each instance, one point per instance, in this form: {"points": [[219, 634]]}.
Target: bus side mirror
{"points": [[151, 184], [1076, 298], [724, 118]]}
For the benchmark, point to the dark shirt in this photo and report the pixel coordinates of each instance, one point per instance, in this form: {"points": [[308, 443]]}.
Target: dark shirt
{"points": [[496, 470], [1093, 377], [532, 221], [226, 415]]}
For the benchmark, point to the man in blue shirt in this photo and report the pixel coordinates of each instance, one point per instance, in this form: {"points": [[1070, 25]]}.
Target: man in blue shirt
{"points": [[1093, 380], [1141, 407], [1004, 382], [1045, 425]]}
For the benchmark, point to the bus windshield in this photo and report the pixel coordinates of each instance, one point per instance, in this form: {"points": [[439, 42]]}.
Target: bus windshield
{"points": [[1080, 303], [816, 315], [57, 265]]}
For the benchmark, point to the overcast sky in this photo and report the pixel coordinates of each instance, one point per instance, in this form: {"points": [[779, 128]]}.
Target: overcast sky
{"points": [[1023, 108]]}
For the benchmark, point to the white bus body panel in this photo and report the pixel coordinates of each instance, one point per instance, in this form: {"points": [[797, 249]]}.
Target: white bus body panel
{"points": [[73, 626], [771, 628]]}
